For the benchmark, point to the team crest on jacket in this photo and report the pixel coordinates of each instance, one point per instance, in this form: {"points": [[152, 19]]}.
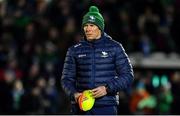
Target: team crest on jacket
{"points": [[104, 54]]}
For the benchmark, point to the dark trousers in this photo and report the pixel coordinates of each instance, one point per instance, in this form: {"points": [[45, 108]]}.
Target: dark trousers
{"points": [[96, 110]]}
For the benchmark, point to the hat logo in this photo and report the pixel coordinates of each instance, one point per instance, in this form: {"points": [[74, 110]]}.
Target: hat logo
{"points": [[92, 19]]}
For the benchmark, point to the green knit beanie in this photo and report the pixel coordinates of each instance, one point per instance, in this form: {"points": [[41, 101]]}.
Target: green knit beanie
{"points": [[94, 17]]}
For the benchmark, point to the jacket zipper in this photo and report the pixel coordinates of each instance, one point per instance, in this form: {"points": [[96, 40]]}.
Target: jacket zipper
{"points": [[93, 68]]}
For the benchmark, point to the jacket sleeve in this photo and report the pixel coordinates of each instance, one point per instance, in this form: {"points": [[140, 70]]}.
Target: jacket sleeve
{"points": [[124, 72], [68, 79]]}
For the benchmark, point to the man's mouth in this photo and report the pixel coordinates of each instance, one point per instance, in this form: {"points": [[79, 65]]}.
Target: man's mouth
{"points": [[88, 34]]}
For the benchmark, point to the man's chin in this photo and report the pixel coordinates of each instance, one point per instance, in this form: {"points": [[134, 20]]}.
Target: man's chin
{"points": [[90, 38]]}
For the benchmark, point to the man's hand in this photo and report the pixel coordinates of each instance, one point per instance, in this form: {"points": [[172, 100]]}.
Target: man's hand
{"points": [[76, 96], [99, 91]]}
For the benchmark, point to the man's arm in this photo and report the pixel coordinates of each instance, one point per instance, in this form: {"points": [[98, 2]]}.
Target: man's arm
{"points": [[124, 72], [68, 79]]}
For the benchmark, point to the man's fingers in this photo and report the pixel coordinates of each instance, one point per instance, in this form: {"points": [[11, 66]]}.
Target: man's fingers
{"points": [[94, 90], [98, 92], [98, 95], [95, 93]]}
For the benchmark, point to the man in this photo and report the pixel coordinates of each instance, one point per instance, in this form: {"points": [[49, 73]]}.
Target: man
{"points": [[97, 63]]}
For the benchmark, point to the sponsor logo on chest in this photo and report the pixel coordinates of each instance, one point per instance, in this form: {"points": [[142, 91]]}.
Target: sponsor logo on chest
{"points": [[81, 55], [104, 54]]}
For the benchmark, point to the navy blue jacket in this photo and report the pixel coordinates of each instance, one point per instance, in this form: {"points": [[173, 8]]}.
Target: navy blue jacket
{"points": [[92, 64]]}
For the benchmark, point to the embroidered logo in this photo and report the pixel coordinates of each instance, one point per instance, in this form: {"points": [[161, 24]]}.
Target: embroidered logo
{"points": [[104, 54], [81, 55], [91, 18]]}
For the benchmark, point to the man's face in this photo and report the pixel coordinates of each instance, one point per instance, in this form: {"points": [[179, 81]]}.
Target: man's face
{"points": [[92, 31]]}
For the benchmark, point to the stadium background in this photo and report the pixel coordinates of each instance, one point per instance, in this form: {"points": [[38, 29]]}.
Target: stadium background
{"points": [[35, 35]]}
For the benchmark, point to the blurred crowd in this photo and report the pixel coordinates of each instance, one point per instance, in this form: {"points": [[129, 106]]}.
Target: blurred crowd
{"points": [[35, 35]]}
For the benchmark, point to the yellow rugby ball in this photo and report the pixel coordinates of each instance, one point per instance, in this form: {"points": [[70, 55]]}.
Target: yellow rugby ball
{"points": [[86, 100]]}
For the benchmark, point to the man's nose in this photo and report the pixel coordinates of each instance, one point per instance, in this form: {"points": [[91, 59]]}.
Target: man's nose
{"points": [[88, 28]]}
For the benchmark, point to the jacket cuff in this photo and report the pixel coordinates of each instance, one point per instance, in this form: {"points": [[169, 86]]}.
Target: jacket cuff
{"points": [[72, 96], [107, 88]]}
